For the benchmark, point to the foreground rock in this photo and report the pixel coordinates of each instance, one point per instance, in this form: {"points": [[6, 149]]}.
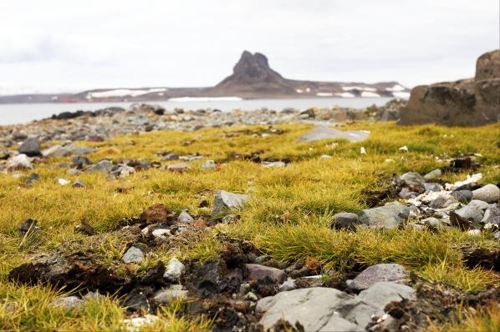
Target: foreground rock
{"points": [[328, 309], [470, 102]]}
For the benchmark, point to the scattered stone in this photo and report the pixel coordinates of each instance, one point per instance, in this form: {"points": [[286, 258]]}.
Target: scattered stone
{"points": [[414, 180], [345, 220], [67, 303], [62, 182], [137, 323], [137, 302], [57, 151], [435, 174], [473, 212], [377, 273], [166, 296], [324, 132], [463, 196], [31, 147], [273, 164], [470, 180], [133, 255], [362, 150], [224, 201], [184, 216], [259, 272], [27, 226], [160, 233], [288, 285], [19, 162], [180, 167], [174, 271], [78, 184], [104, 166], [489, 194], [32, 178], [391, 215], [208, 165]]}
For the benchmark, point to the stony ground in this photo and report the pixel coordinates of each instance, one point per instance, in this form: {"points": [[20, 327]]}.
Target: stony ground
{"points": [[268, 221]]}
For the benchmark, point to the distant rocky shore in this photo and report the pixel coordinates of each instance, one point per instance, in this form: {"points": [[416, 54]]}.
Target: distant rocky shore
{"points": [[102, 124]]}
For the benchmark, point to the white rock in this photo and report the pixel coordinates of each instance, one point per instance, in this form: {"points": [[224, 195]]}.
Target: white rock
{"points": [[470, 180], [174, 270], [161, 233], [135, 324], [63, 182], [363, 150], [403, 149], [21, 161]]}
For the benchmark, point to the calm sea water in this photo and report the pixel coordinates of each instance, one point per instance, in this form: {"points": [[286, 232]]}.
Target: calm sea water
{"points": [[22, 113]]}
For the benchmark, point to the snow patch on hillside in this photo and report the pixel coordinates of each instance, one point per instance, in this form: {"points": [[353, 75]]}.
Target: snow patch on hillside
{"points": [[122, 93]]}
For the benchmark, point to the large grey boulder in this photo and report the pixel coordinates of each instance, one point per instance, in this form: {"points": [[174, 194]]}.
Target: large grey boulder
{"points": [[469, 102], [31, 147], [312, 307], [391, 215], [329, 309], [225, 200], [489, 193]]}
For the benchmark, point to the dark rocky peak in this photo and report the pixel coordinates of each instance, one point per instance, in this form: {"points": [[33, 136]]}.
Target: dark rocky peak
{"points": [[252, 68]]}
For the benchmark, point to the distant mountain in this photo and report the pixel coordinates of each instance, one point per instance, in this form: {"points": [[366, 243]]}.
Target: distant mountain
{"points": [[252, 78]]}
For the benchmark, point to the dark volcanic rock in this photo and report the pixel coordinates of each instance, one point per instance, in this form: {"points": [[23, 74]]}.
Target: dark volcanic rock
{"points": [[253, 74], [31, 147], [470, 102]]}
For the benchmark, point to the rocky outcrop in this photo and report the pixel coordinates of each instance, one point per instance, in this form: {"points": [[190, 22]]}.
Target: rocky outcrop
{"points": [[253, 77], [469, 102], [253, 74]]}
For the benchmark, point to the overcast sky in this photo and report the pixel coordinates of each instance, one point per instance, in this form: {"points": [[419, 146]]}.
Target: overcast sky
{"points": [[77, 44]]}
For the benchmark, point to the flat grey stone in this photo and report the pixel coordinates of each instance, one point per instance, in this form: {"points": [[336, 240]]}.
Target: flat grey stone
{"points": [[133, 255], [381, 293], [104, 166], [171, 294], [68, 303], [378, 273], [208, 165], [324, 132], [225, 200], [473, 211], [312, 307], [489, 194], [180, 167], [391, 215]]}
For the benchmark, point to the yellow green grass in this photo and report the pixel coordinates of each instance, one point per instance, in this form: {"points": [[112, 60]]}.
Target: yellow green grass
{"points": [[288, 217]]}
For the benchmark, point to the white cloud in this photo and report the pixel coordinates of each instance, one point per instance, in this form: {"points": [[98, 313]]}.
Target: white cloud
{"points": [[120, 43]]}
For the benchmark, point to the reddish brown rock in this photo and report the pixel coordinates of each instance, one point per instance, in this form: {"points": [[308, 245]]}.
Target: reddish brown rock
{"points": [[157, 213]]}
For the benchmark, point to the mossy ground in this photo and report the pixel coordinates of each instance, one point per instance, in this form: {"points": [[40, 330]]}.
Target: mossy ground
{"points": [[287, 218]]}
